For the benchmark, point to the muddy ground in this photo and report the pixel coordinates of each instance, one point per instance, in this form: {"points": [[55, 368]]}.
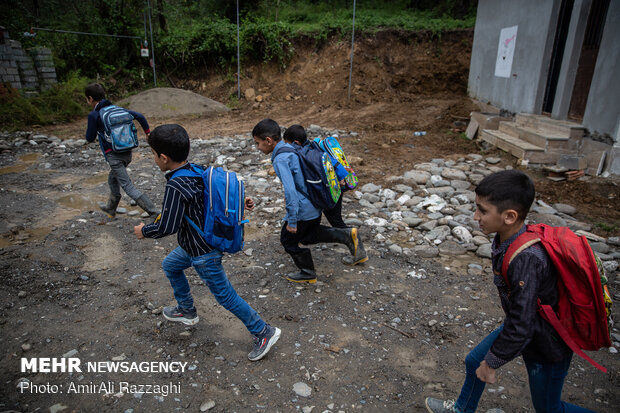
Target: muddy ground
{"points": [[74, 280]]}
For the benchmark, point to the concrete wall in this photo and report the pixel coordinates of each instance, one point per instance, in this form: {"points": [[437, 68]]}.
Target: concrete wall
{"points": [[31, 69], [524, 91], [602, 113]]}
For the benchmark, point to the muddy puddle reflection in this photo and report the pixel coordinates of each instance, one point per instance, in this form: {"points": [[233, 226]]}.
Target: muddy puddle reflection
{"points": [[23, 163]]}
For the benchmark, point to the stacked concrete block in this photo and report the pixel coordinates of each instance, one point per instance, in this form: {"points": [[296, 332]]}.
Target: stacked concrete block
{"points": [[25, 66], [9, 72], [44, 64]]}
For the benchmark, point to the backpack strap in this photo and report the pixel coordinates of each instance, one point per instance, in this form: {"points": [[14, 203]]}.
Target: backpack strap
{"points": [[523, 241], [194, 172], [284, 149]]}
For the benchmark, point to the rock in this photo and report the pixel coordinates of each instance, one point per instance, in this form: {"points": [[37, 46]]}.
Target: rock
{"points": [[442, 191], [433, 203], [388, 194], [307, 409], [372, 198], [610, 266], [208, 405], [425, 251], [417, 177], [432, 323], [121, 210], [451, 248], [428, 225], [601, 247], [412, 222], [450, 173], [565, 208], [492, 160], [250, 94], [438, 233], [376, 222], [58, 407], [475, 178], [462, 234], [480, 240], [578, 226], [302, 389], [614, 241], [484, 251], [553, 220], [70, 353], [458, 184], [403, 199], [590, 236], [370, 188], [395, 249], [22, 294], [26, 346]]}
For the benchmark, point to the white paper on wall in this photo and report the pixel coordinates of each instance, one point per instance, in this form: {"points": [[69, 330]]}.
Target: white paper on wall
{"points": [[506, 51]]}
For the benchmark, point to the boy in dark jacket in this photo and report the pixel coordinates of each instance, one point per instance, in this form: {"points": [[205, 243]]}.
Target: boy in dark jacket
{"points": [[302, 222], [503, 200], [118, 161], [184, 196]]}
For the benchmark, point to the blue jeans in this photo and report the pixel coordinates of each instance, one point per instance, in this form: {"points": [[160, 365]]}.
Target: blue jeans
{"points": [[209, 268], [546, 381]]}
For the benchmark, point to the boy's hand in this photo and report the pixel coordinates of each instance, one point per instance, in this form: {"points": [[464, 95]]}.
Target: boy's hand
{"points": [[291, 229], [486, 373], [249, 203], [138, 230]]}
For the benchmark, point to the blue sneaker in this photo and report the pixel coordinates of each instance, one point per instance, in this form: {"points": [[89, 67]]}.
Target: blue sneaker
{"points": [[187, 317], [263, 342]]}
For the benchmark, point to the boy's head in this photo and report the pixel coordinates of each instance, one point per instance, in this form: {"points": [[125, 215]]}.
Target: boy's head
{"points": [[170, 145], [94, 93], [266, 135], [295, 133], [503, 200]]}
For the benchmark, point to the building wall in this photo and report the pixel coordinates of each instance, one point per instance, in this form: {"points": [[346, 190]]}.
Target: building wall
{"points": [[524, 90], [602, 113]]}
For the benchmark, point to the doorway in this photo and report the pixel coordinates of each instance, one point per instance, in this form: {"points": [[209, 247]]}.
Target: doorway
{"points": [[587, 59]]}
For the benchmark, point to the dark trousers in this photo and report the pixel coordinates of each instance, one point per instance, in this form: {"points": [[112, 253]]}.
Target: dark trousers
{"points": [[334, 215]]}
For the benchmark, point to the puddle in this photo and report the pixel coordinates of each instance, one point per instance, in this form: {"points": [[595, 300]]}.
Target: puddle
{"points": [[75, 201], [22, 164], [23, 236], [96, 179]]}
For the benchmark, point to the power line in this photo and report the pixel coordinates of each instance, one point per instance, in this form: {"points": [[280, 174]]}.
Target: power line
{"points": [[86, 33]]}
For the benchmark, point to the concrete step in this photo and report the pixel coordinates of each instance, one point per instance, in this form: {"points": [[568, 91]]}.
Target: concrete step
{"points": [[518, 147], [552, 126], [549, 141]]}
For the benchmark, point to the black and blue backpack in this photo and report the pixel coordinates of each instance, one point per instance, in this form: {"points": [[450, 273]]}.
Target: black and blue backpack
{"points": [[322, 186], [224, 206], [118, 128]]}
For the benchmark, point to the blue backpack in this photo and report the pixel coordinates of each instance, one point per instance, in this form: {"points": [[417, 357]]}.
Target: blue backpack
{"points": [[224, 205], [322, 186], [119, 129]]}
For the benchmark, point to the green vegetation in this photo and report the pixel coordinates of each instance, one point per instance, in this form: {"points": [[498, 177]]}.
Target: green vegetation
{"points": [[62, 103]]}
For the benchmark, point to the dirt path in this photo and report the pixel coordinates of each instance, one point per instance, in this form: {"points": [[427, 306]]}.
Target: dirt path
{"points": [[370, 338]]}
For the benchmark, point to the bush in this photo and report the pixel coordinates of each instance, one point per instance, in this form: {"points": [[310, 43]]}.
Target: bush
{"points": [[62, 103]]}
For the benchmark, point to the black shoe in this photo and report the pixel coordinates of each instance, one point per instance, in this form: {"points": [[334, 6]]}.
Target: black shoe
{"points": [[303, 276], [110, 206], [263, 342], [187, 317]]}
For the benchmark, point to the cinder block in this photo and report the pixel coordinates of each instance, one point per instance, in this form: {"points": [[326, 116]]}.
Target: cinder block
{"points": [[573, 162]]}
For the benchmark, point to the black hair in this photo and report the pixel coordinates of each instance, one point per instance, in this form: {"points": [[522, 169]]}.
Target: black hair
{"points": [[267, 128], [172, 140], [511, 189], [295, 133], [95, 91]]}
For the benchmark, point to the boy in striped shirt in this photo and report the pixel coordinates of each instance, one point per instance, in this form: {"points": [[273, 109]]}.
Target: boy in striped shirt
{"points": [[184, 196]]}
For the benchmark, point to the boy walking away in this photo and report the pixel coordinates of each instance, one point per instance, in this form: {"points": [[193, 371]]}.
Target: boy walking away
{"points": [[302, 222], [503, 200], [184, 201], [117, 156], [296, 134]]}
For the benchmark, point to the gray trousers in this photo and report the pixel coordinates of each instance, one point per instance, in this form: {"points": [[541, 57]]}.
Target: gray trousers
{"points": [[118, 177]]}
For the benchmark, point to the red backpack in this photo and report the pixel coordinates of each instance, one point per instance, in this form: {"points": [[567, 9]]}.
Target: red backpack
{"points": [[582, 316]]}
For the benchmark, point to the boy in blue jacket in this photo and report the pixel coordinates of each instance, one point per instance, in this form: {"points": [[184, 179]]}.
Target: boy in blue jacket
{"points": [[502, 202], [184, 196], [302, 222], [118, 161]]}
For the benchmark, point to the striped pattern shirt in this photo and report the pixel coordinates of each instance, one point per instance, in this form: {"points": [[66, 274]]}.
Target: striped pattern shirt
{"points": [[183, 196]]}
